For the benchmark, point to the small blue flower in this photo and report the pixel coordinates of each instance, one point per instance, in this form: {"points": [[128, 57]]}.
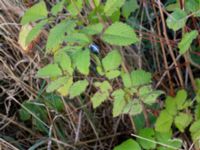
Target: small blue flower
{"points": [[94, 48]]}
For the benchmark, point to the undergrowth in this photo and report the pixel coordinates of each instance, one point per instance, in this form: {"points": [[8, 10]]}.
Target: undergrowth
{"points": [[92, 74]]}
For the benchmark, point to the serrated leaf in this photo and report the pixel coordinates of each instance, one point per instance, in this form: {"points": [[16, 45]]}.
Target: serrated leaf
{"points": [[75, 7], [193, 6], [129, 144], [36, 12], [164, 122], [195, 133], [83, 61], [195, 126], [120, 34], [128, 7], [64, 61], [119, 102], [148, 95], [177, 19], [93, 29], [126, 78], [50, 70], [57, 7], [112, 60], [103, 86], [102, 94], [133, 107], [182, 121], [98, 98], [140, 77], [147, 133], [35, 31], [186, 41], [56, 84], [180, 99], [112, 6], [64, 90], [165, 138], [170, 105], [173, 6], [57, 34], [78, 88], [112, 74], [79, 38]]}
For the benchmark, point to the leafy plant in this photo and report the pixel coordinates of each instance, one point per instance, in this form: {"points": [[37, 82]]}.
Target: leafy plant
{"points": [[174, 112], [130, 91]]}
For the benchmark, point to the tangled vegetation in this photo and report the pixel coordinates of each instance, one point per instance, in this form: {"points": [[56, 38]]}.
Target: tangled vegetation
{"points": [[95, 74]]}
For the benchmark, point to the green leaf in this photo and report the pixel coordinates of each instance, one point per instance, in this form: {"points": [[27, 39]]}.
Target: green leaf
{"points": [[140, 77], [129, 144], [97, 2], [186, 41], [173, 6], [133, 107], [78, 88], [148, 95], [147, 133], [177, 19], [58, 7], [93, 29], [170, 105], [57, 34], [75, 7], [120, 34], [36, 30], [112, 74], [126, 78], [83, 61], [98, 98], [182, 121], [164, 122], [119, 102], [79, 38], [181, 97], [56, 84], [112, 6], [193, 6], [112, 60], [23, 114], [115, 16], [51, 70], [103, 86], [102, 94], [54, 102], [195, 126], [128, 7], [64, 61], [165, 138], [195, 130], [64, 90], [36, 12], [197, 111]]}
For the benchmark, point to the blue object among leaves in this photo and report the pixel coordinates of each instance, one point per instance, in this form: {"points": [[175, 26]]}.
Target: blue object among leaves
{"points": [[94, 48]]}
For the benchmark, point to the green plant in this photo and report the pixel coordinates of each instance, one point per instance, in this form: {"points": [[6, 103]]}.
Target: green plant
{"points": [[76, 69], [75, 57]]}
